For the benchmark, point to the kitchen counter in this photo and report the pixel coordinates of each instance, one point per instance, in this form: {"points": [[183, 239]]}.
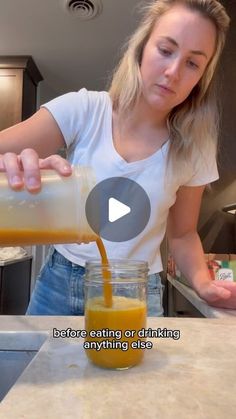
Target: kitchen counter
{"points": [[198, 303], [192, 377]]}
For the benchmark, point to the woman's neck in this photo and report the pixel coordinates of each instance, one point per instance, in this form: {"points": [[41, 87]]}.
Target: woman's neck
{"points": [[138, 134], [143, 115]]}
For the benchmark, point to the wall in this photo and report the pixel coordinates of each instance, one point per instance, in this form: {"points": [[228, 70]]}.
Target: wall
{"points": [[216, 228]]}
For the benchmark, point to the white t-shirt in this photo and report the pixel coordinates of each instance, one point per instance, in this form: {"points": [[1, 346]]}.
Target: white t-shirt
{"points": [[85, 120]]}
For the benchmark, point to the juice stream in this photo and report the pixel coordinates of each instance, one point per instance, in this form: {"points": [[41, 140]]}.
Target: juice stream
{"points": [[107, 287]]}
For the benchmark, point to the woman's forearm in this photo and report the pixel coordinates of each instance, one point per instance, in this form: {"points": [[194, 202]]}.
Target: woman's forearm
{"points": [[188, 254]]}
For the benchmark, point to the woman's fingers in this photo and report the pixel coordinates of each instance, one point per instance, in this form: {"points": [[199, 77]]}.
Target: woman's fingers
{"points": [[57, 163], [10, 163], [2, 167], [30, 165], [221, 294], [24, 169]]}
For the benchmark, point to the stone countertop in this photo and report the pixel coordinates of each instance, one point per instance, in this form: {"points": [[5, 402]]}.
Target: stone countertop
{"points": [[192, 377], [201, 305]]}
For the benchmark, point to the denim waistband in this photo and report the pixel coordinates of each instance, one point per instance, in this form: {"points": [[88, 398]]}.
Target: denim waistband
{"points": [[59, 258]]}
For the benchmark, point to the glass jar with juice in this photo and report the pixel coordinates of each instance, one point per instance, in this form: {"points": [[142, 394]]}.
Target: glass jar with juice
{"points": [[115, 310]]}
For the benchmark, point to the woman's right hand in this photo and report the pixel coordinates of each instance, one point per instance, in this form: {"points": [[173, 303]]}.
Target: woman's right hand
{"points": [[24, 169]]}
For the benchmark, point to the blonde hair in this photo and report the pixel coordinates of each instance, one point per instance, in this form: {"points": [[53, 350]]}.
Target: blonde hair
{"points": [[195, 121]]}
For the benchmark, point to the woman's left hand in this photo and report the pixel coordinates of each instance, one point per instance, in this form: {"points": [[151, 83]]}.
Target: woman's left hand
{"points": [[221, 294]]}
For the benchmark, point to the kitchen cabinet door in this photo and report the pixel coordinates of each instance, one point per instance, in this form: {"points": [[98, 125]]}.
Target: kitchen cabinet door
{"points": [[10, 97], [19, 77]]}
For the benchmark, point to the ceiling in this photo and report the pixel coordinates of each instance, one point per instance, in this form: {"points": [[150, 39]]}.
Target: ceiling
{"points": [[70, 53]]}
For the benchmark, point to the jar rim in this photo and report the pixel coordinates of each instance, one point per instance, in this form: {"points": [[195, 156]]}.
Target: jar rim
{"points": [[120, 264]]}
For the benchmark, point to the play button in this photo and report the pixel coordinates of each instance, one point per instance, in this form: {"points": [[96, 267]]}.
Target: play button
{"points": [[118, 209]]}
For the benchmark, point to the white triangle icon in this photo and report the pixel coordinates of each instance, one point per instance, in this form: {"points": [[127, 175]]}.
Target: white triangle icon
{"points": [[116, 209]]}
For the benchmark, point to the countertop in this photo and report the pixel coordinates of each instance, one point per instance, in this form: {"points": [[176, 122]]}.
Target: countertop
{"points": [[192, 377], [201, 305]]}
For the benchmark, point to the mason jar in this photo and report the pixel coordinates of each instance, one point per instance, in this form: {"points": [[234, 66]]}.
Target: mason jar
{"points": [[115, 312], [56, 214]]}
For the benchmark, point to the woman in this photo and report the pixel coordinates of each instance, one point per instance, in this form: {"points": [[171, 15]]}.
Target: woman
{"points": [[157, 126]]}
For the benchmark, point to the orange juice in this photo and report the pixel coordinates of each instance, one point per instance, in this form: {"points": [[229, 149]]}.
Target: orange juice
{"points": [[107, 287], [125, 314], [12, 237]]}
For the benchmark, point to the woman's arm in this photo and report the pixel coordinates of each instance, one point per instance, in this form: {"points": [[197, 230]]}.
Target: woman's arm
{"points": [[39, 132], [29, 146], [186, 248]]}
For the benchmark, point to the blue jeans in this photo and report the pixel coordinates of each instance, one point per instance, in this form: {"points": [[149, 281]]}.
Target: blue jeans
{"points": [[59, 289]]}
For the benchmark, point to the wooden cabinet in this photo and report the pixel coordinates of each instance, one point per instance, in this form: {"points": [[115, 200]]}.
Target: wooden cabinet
{"points": [[19, 77], [15, 281]]}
